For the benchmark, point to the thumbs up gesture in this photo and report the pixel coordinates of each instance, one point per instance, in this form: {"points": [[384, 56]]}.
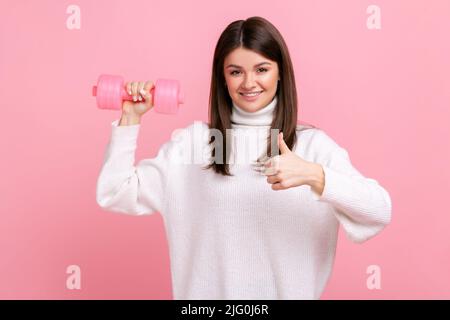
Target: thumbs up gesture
{"points": [[288, 170]]}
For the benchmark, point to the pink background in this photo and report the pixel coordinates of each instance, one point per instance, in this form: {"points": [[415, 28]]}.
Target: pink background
{"points": [[381, 94]]}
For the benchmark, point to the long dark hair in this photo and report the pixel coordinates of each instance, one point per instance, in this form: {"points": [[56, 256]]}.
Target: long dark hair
{"points": [[259, 35]]}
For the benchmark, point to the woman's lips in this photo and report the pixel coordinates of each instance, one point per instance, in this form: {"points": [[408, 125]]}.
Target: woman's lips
{"points": [[250, 98]]}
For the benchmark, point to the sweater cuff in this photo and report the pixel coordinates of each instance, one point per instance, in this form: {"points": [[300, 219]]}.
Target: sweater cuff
{"points": [[124, 134], [331, 187]]}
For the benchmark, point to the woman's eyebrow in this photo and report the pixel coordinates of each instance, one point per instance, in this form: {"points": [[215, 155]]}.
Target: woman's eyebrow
{"points": [[256, 65]]}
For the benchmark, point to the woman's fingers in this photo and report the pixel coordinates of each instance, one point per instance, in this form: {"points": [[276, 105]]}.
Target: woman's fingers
{"points": [[271, 166], [128, 88], [148, 86], [273, 179], [146, 93], [269, 171], [272, 162], [140, 89], [134, 86]]}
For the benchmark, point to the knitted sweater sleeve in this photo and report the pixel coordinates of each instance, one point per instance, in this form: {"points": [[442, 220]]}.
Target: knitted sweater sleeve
{"points": [[125, 187], [361, 205]]}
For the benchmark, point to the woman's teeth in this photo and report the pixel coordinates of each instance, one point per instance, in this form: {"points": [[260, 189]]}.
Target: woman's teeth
{"points": [[251, 94]]}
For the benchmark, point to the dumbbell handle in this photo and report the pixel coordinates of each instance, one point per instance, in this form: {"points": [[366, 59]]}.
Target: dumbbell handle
{"points": [[124, 94]]}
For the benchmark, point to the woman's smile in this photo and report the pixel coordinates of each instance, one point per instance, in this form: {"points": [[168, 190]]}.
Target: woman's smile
{"points": [[251, 97]]}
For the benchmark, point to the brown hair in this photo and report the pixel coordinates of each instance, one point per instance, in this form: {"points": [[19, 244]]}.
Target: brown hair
{"points": [[259, 35]]}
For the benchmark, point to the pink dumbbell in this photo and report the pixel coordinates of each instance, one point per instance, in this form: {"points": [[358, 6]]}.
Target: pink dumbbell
{"points": [[110, 92]]}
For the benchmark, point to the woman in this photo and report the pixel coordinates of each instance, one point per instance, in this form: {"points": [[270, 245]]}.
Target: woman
{"points": [[242, 224]]}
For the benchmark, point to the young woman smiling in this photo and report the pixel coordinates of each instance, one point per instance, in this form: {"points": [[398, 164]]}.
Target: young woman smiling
{"points": [[263, 227]]}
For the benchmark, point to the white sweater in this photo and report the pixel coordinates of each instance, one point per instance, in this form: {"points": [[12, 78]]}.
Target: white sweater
{"points": [[235, 237]]}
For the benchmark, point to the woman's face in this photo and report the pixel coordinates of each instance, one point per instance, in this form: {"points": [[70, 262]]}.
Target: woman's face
{"points": [[248, 71]]}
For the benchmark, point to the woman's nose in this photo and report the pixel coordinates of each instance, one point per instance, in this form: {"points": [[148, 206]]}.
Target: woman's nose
{"points": [[249, 82]]}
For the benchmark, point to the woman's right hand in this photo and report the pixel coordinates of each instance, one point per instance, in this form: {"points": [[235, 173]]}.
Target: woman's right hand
{"points": [[142, 98]]}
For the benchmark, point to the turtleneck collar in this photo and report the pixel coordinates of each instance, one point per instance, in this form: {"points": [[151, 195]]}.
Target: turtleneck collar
{"points": [[262, 117]]}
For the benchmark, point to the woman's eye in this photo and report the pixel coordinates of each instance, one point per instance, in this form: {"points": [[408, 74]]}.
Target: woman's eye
{"points": [[233, 72]]}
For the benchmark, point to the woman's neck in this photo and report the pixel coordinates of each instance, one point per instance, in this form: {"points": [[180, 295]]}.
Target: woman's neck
{"points": [[262, 117]]}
